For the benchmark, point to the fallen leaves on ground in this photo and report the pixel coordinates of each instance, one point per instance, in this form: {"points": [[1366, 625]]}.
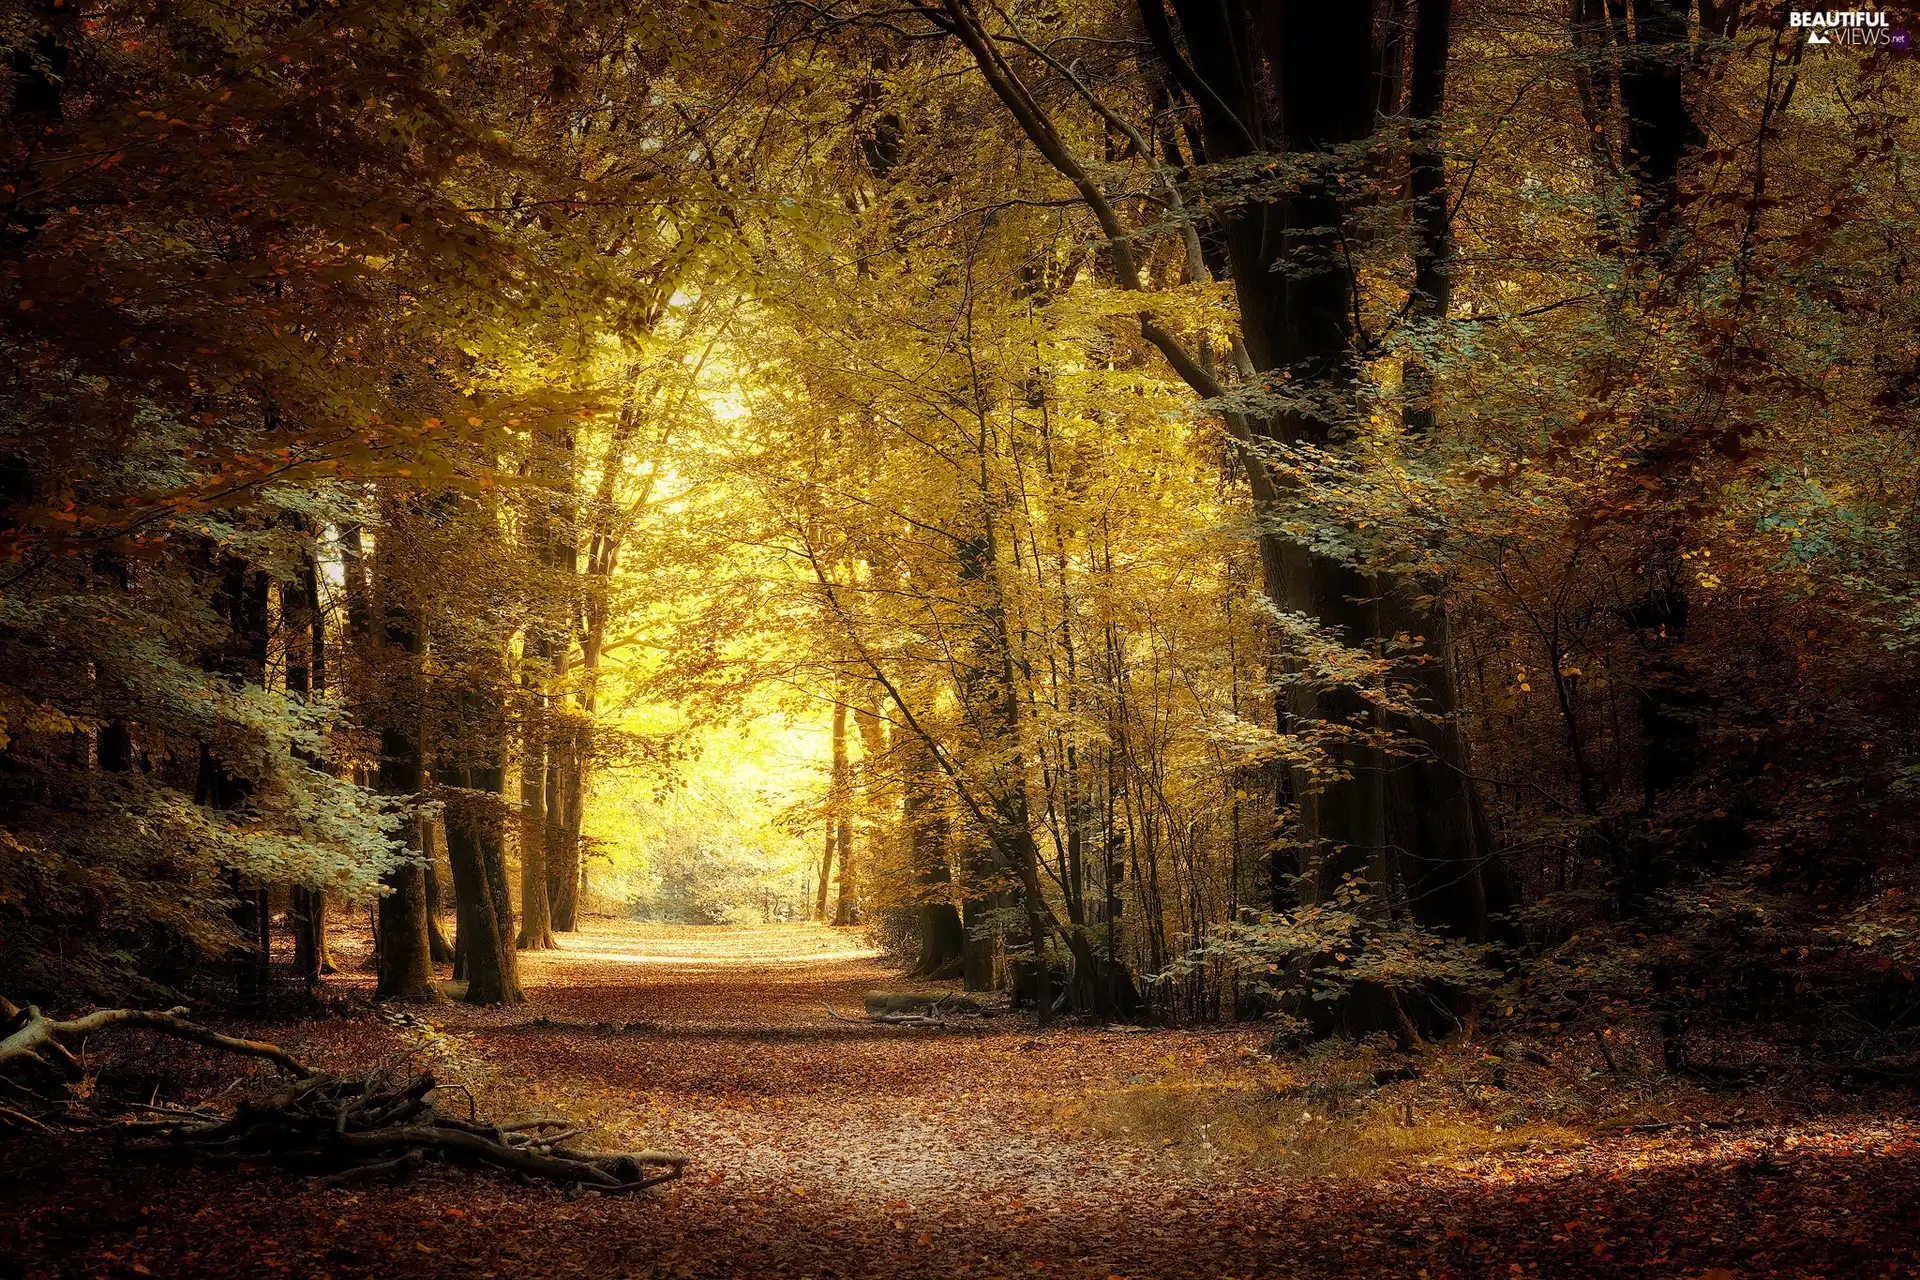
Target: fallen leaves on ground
{"points": [[991, 1148]]}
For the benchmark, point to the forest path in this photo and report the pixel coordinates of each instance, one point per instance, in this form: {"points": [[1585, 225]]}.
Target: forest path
{"points": [[827, 1148]]}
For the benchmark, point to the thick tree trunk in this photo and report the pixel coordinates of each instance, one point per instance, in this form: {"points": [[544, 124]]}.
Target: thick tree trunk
{"points": [[977, 941], [1412, 824], [405, 955], [942, 939], [485, 922], [1660, 128], [493, 862], [1432, 212], [406, 973], [406, 964], [536, 917], [566, 754]]}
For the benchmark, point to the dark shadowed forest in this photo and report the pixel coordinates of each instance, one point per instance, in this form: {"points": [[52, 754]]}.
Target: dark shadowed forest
{"points": [[1106, 638]]}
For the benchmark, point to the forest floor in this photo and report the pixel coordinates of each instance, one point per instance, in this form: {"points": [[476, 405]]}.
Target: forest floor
{"points": [[996, 1148]]}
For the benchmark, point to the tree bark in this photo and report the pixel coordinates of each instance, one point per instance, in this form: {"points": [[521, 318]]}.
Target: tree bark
{"points": [[840, 792], [240, 598], [977, 943], [311, 958], [563, 832], [825, 886], [942, 939], [305, 619], [536, 917], [406, 963], [433, 839], [405, 956], [565, 752], [493, 863], [1660, 129], [484, 921]]}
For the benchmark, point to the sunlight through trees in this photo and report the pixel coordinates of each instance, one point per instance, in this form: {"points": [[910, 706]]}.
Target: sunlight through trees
{"points": [[1357, 516]]}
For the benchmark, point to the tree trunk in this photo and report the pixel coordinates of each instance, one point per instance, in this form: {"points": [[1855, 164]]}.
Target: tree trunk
{"points": [[485, 922], [566, 756], [433, 839], [240, 598], [1432, 212], [406, 960], [311, 959], [840, 805], [1660, 128], [493, 862], [406, 963], [942, 940], [563, 833], [406, 973], [977, 942], [536, 914], [825, 886], [305, 621], [874, 748], [1361, 820]]}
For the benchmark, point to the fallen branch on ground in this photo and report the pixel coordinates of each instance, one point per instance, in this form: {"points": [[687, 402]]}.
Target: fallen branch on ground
{"points": [[347, 1129], [339, 1129], [892, 1019], [39, 1034]]}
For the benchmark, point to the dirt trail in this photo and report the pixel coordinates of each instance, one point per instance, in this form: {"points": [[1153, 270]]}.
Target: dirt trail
{"points": [[823, 1148]]}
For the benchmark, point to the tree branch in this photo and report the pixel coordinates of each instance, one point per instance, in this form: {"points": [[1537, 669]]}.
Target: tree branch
{"points": [[40, 1032]]}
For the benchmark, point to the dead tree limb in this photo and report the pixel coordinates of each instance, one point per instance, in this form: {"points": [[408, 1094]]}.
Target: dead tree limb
{"points": [[343, 1130], [40, 1034], [890, 1019]]}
